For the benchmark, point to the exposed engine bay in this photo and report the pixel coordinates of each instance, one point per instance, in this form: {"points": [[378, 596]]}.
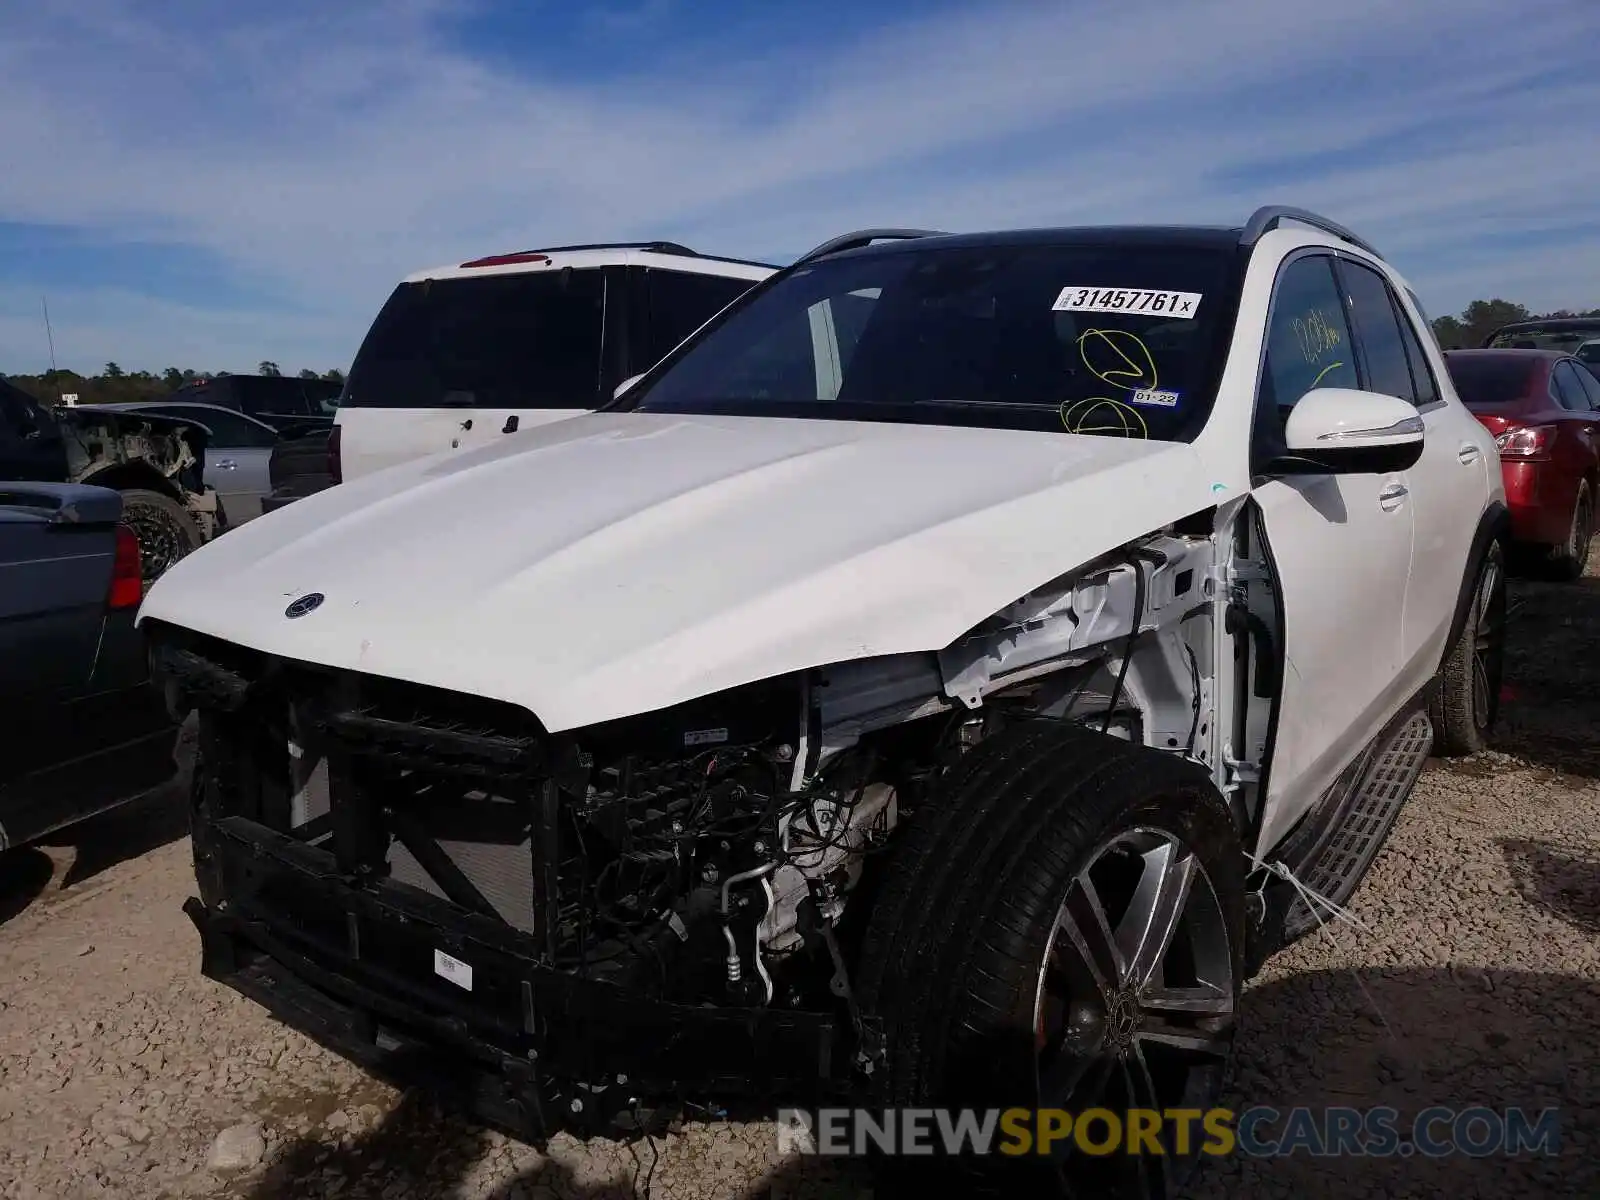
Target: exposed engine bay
{"points": [[101, 442], [712, 854]]}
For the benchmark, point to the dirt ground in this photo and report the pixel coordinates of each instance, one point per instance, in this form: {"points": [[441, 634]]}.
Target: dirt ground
{"points": [[1476, 981]]}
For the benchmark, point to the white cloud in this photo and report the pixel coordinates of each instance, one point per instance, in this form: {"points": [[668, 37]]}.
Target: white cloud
{"points": [[334, 147]]}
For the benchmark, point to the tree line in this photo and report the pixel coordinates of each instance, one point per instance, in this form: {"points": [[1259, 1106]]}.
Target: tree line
{"points": [[113, 385], [1469, 329]]}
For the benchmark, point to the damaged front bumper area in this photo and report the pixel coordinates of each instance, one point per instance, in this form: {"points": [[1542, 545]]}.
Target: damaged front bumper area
{"points": [[529, 1049], [393, 871]]}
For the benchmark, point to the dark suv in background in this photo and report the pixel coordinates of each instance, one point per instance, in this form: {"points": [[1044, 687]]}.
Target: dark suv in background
{"points": [[279, 400]]}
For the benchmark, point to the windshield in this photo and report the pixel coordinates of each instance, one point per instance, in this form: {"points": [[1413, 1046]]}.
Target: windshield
{"points": [[1101, 338], [1490, 380], [518, 340]]}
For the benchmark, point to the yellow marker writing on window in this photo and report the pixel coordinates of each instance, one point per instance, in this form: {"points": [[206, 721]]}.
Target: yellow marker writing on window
{"points": [[1118, 357], [1102, 415]]}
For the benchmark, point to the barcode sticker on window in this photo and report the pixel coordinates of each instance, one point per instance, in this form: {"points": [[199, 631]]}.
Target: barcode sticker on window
{"points": [[1152, 301], [453, 969]]}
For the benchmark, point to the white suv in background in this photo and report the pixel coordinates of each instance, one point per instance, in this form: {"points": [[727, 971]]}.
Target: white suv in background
{"points": [[461, 354]]}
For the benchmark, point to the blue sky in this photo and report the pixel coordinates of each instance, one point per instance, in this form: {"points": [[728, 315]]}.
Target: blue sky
{"points": [[207, 185]]}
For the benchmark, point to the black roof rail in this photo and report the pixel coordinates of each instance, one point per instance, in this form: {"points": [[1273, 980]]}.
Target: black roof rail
{"points": [[1268, 217], [655, 247], [863, 237]]}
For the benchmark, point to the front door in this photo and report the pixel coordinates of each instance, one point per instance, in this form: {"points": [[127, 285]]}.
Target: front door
{"points": [[1342, 548]]}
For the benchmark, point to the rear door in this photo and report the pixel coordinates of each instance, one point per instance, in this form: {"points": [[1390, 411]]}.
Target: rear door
{"points": [[454, 363], [1448, 484]]}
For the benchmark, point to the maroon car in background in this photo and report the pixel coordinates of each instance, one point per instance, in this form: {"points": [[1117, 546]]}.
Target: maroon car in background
{"points": [[1543, 408]]}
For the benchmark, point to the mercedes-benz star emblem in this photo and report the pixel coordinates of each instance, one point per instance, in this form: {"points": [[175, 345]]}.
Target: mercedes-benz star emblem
{"points": [[307, 603]]}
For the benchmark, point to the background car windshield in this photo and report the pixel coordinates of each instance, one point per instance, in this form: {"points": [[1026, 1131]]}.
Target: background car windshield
{"points": [[1537, 338], [1116, 340], [519, 340], [1486, 380]]}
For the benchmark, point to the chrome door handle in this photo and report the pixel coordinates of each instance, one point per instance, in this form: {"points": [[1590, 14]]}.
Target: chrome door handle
{"points": [[1392, 497], [1468, 454], [225, 464]]}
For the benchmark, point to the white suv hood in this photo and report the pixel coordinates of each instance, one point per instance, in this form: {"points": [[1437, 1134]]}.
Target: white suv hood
{"points": [[618, 563]]}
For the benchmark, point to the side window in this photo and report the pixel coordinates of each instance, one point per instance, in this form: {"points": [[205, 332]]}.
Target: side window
{"points": [[226, 428], [1568, 389], [229, 430], [1422, 376], [681, 302], [1382, 344], [1590, 385], [1308, 336]]}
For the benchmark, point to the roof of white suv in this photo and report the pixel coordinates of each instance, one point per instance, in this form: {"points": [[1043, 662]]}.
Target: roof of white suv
{"points": [[667, 256]]}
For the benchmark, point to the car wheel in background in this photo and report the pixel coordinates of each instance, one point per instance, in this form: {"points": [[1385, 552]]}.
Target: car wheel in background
{"points": [[1569, 561], [165, 529]]}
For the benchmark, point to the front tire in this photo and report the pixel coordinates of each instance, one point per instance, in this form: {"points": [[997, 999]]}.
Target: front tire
{"points": [[1063, 928], [1466, 702]]}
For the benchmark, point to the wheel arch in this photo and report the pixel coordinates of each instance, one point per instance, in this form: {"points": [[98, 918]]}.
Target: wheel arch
{"points": [[135, 474], [1493, 526]]}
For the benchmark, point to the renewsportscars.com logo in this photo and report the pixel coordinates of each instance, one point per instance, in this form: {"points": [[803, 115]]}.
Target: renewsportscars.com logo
{"points": [[1261, 1132]]}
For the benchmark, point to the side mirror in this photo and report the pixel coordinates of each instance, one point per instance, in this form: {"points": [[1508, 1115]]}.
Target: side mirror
{"points": [[626, 384], [1343, 431]]}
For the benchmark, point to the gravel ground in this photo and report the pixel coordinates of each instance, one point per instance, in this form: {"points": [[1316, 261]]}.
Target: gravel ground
{"points": [[123, 1072]]}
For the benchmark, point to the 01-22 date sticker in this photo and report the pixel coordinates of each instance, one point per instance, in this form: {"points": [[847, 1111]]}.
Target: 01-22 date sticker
{"points": [[1155, 301]]}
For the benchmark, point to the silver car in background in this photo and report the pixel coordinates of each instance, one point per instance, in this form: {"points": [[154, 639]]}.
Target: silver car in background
{"points": [[236, 455]]}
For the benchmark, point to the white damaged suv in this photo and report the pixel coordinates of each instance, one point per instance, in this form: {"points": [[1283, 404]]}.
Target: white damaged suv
{"points": [[933, 683]]}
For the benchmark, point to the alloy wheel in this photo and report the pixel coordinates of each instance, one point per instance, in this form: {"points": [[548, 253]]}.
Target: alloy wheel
{"points": [[1582, 531], [161, 539], [1135, 1006]]}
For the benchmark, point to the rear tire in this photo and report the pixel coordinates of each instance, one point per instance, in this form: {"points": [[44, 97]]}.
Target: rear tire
{"points": [[166, 530], [1568, 562], [977, 961], [1466, 701]]}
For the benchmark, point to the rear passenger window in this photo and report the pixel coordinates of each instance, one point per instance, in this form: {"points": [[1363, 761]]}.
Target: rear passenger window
{"points": [[1568, 389], [681, 302], [1382, 343], [1308, 336], [1422, 376], [1591, 386]]}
